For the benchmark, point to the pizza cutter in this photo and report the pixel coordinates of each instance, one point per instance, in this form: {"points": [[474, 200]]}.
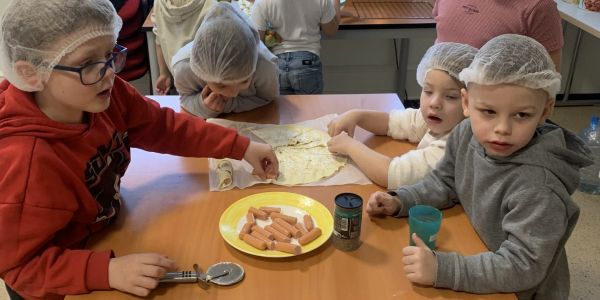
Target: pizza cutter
{"points": [[223, 273]]}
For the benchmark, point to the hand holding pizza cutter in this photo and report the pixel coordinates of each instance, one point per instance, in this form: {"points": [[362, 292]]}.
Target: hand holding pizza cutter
{"points": [[223, 273]]}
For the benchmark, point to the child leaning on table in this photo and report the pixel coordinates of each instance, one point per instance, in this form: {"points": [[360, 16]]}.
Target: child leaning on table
{"points": [[512, 172], [226, 69], [66, 127], [440, 110], [175, 24]]}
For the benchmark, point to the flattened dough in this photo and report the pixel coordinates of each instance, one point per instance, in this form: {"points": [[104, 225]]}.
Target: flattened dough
{"points": [[302, 153]]}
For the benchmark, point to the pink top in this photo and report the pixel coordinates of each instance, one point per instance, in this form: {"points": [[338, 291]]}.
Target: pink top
{"points": [[476, 22]]}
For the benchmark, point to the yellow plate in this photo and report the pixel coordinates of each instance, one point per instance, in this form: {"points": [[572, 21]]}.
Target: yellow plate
{"points": [[296, 205]]}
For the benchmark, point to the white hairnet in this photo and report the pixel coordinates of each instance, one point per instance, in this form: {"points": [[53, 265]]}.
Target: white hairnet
{"points": [[513, 59], [41, 33], [225, 48], [449, 57]]}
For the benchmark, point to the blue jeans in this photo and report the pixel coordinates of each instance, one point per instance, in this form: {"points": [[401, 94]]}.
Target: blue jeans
{"points": [[300, 73]]}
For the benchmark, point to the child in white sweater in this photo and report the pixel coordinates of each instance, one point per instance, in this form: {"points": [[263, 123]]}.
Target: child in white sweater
{"points": [[440, 110]]}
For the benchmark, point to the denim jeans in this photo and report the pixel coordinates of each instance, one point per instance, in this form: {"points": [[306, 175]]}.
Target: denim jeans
{"points": [[300, 72]]}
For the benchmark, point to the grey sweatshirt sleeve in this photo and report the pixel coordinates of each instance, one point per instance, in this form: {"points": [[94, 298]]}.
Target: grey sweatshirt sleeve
{"points": [[189, 87], [534, 226], [263, 89], [436, 188]]}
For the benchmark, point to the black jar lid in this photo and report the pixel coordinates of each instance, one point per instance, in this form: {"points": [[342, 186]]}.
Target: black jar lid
{"points": [[348, 200]]}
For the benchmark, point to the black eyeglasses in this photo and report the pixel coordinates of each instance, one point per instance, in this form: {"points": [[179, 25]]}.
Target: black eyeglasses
{"points": [[94, 72]]}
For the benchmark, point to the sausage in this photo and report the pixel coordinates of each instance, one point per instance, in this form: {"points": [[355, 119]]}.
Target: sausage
{"points": [[269, 242], [308, 222], [250, 218], [281, 229], [277, 235], [303, 230], [245, 229], [270, 210], [288, 248], [259, 214], [293, 230], [310, 236], [254, 242], [260, 230], [289, 219]]}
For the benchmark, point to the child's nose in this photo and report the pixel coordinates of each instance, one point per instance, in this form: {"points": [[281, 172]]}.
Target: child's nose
{"points": [[109, 72], [436, 102], [503, 127]]}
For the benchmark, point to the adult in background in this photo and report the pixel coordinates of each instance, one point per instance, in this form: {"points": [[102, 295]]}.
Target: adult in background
{"points": [[476, 22]]}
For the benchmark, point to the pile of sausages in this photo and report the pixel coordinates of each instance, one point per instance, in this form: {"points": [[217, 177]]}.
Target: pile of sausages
{"points": [[279, 234]]}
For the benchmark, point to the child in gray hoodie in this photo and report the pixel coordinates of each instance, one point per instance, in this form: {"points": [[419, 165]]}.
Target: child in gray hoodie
{"points": [[512, 172]]}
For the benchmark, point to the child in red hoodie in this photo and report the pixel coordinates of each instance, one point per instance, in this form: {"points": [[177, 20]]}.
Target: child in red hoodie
{"points": [[66, 127]]}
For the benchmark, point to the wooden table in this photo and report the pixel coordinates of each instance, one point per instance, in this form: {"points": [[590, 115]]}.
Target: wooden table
{"points": [[168, 209]]}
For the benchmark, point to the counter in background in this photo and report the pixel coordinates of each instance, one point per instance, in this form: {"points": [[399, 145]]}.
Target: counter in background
{"points": [[574, 68]]}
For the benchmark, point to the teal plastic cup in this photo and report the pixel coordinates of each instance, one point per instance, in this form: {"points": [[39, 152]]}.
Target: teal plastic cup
{"points": [[425, 221]]}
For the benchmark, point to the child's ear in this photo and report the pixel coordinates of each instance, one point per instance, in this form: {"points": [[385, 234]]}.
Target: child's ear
{"points": [[548, 110], [28, 74], [464, 98]]}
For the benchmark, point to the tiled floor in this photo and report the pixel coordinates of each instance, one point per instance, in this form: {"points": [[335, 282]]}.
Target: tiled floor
{"points": [[583, 248]]}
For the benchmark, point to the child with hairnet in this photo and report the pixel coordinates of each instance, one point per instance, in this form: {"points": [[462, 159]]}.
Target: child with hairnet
{"points": [[440, 110], [175, 24], [226, 69], [512, 172], [298, 26], [66, 128]]}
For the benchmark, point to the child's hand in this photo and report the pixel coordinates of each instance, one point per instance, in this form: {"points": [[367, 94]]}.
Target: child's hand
{"points": [[381, 203], [262, 158], [272, 39], [138, 274], [163, 84], [346, 122], [213, 101], [419, 262], [341, 143]]}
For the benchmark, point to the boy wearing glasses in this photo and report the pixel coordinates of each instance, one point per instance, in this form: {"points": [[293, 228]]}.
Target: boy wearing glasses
{"points": [[66, 127]]}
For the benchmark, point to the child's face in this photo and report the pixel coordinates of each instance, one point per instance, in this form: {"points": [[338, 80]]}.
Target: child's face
{"points": [[441, 102], [504, 117], [64, 98], [229, 90]]}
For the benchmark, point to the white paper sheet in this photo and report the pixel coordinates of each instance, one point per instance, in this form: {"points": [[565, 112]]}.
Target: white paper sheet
{"points": [[242, 171]]}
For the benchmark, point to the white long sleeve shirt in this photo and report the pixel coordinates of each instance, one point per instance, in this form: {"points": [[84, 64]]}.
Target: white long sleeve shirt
{"points": [[414, 165]]}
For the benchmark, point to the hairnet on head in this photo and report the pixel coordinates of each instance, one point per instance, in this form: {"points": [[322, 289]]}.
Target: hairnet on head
{"points": [[225, 48], [41, 33], [513, 59], [448, 57]]}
